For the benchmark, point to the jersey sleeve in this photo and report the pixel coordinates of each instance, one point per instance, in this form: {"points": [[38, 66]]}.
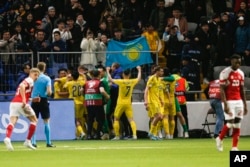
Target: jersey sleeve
{"points": [[223, 77], [117, 81]]}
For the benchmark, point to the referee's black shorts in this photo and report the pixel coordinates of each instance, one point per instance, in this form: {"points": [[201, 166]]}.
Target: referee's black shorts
{"points": [[41, 107]]}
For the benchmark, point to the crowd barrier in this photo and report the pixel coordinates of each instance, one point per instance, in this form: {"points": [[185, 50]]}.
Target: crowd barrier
{"points": [[63, 128]]}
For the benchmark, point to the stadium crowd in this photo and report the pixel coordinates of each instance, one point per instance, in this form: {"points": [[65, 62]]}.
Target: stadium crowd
{"points": [[86, 27]]}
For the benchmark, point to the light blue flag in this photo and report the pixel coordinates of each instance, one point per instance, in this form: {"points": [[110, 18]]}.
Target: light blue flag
{"points": [[128, 54]]}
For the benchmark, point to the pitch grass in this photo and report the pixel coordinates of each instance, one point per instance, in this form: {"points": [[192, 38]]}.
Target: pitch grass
{"points": [[123, 153]]}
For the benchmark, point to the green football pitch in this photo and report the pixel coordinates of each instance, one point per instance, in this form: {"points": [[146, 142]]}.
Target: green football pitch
{"points": [[123, 153]]}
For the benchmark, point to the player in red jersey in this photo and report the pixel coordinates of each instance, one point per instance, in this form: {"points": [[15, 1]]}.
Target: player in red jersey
{"points": [[19, 106], [234, 100]]}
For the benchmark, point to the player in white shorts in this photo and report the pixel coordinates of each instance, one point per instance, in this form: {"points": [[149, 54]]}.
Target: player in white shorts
{"points": [[234, 100], [19, 106]]}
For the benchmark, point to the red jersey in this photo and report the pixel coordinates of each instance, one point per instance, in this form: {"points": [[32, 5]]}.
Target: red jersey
{"points": [[233, 80], [214, 89], [28, 82]]}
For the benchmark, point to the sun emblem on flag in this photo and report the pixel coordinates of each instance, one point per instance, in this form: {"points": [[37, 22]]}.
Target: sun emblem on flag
{"points": [[132, 53]]}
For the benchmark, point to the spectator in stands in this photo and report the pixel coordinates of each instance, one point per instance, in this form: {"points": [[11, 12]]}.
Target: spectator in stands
{"points": [[40, 44], [24, 73], [179, 20], [245, 9], [173, 46], [4, 6], [82, 23], [73, 44], [153, 40], [29, 22], [89, 47], [158, 17], [59, 45], [7, 44], [49, 22], [242, 37], [118, 36], [111, 24], [192, 75], [203, 40], [38, 8], [195, 9], [103, 29], [133, 15], [72, 8], [63, 29], [102, 47], [224, 47], [93, 13]]}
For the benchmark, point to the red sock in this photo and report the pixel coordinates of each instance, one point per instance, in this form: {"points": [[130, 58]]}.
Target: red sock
{"points": [[223, 132], [32, 129], [9, 130], [236, 135]]}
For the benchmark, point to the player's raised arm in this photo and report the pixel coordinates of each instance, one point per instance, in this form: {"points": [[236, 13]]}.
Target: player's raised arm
{"points": [[139, 73], [108, 74]]}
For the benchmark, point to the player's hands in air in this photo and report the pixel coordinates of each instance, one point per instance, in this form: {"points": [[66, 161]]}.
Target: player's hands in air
{"points": [[107, 69], [138, 68]]}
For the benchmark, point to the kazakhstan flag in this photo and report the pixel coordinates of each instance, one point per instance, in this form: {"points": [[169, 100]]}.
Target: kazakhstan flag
{"points": [[128, 54]]}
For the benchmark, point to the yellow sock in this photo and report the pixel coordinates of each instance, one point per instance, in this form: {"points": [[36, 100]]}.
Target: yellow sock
{"points": [[79, 130], [171, 126], [159, 126], [116, 128], [153, 129], [166, 125], [83, 123], [133, 127]]}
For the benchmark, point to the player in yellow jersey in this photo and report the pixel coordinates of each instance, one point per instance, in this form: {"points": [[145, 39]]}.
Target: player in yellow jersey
{"points": [[74, 88], [153, 101], [58, 84], [169, 110], [124, 104]]}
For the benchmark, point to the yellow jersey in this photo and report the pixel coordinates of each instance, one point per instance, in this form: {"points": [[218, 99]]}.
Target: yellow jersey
{"points": [[155, 90], [169, 89], [75, 90], [126, 87], [58, 87]]}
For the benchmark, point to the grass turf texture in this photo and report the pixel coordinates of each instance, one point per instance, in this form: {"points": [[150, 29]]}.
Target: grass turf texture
{"points": [[123, 153]]}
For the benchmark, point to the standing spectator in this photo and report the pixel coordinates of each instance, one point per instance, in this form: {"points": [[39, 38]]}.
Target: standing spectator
{"points": [[6, 46], [233, 97], [82, 23], [42, 89], [19, 106], [103, 44], [203, 39], [126, 86], [63, 29], [192, 75], [49, 22], [173, 46], [41, 45], [73, 44], [89, 47], [241, 42], [216, 105], [60, 60], [158, 17], [94, 92], [38, 7], [73, 7]]}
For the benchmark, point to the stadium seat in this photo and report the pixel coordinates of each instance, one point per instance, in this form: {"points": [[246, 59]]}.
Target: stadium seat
{"points": [[192, 27], [210, 120], [246, 70], [217, 70]]}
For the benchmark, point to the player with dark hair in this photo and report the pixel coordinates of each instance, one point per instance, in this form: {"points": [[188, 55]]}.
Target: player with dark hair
{"points": [[126, 86], [234, 100]]}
